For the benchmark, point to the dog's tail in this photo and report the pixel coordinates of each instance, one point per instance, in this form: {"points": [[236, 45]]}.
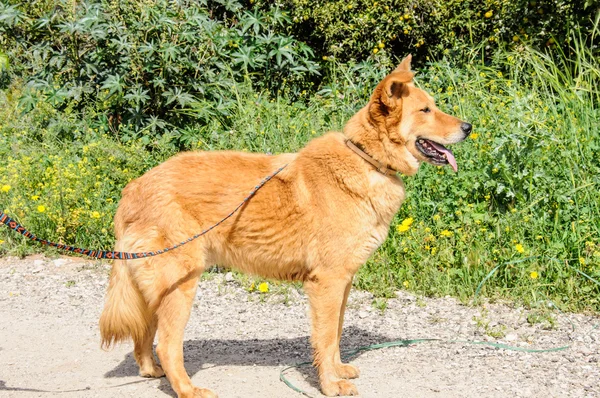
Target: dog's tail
{"points": [[125, 313]]}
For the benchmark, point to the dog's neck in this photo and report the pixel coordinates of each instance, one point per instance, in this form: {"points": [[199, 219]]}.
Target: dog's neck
{"points": [[363, 133], [380, 167]]}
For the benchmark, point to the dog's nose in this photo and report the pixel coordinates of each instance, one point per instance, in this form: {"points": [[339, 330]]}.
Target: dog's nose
{"points": [[466, 128]]}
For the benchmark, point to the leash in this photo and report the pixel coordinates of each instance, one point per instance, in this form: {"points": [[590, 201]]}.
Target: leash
{"points": [[405, 343], [100, 254]]}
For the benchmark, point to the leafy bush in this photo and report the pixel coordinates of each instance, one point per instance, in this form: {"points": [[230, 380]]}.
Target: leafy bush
{"points": [[359, 28], [138, 66], [64, 189], [525, 197]]}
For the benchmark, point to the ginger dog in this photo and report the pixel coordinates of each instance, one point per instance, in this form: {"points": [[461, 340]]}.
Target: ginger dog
{"points": [[317, 222]]}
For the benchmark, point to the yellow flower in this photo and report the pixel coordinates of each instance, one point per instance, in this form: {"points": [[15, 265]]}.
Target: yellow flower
{"points": [[375, 50], [6, 188], [41, 208], [581, 260], [402, 228], [533, 275], [1, 241], [35, 197], [436, 217], [488, 14], [95, 214], [325, 57], [263, 287], [519, 247], [446, 233], [408, 221], [474, 136], [381, 45], [406, 284]]}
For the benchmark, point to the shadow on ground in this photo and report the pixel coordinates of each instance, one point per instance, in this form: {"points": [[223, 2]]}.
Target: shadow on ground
{"points": [[201, 354]]}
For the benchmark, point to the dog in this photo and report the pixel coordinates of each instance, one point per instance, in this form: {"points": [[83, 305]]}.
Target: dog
{"points": [[317, 222]]}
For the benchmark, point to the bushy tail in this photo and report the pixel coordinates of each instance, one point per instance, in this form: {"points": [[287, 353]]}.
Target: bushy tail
{"points": [[125, 312]]}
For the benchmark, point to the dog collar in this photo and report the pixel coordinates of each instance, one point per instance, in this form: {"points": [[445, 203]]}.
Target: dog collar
{"points": [[380, 167]]}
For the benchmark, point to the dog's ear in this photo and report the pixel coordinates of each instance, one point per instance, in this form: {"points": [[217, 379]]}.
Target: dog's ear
{"points": [[389, 92], [405, 64]]}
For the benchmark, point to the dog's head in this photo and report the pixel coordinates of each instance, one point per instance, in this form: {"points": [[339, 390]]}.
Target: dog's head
{"points": [[411, 128]]}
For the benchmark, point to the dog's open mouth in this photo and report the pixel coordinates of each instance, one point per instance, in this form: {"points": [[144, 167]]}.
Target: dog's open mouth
{"points": [[436, 153]]}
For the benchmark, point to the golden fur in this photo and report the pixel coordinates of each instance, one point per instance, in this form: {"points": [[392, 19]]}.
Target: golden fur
{"points": [[317, 222]]}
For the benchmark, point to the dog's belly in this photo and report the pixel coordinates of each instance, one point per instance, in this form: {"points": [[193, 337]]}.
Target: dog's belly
{"points": [[267, 246], [265, 260], [291, 251]]}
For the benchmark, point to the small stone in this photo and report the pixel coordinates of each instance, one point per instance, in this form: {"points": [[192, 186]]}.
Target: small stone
{"points": [[60, 262], [229, 277], [586, 351], [38, 263], [363, 314], [511, 337]]}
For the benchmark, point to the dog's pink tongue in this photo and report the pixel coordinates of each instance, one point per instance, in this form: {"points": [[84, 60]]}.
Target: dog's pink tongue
{"points": [[448, 153]]}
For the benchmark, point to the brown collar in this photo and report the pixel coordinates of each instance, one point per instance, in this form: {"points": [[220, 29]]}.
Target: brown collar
{"points": [[380, 167]]}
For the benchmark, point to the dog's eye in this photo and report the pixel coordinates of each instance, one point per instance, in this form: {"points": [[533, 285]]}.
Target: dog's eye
{"points": [[426, 110]]}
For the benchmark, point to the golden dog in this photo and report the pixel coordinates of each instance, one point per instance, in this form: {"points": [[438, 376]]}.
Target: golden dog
{"points": [[317, 222]]}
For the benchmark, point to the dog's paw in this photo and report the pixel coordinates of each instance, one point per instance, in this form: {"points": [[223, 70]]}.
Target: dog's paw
{"points": [[154, 371], [346, 371], [204, 393], [340, 387]]}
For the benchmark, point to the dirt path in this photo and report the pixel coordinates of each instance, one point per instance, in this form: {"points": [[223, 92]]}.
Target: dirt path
{"points": [[238, 342]]}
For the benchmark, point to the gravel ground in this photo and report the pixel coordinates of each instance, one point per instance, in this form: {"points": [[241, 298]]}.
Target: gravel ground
{"points": [[238, 342]]}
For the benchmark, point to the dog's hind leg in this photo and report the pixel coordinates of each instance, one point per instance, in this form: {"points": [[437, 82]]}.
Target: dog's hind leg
{"points": [[344, 370], [172, 314], [143, 353], [326, 294]]}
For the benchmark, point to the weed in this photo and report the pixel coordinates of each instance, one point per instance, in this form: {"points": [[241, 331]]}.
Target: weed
{"points": [[379, 304], [544, 318]]}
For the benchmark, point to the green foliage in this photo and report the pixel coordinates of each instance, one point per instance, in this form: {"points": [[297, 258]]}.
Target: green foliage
{"points": [[359, 28], [113, 88], [64, 189], [137, 67]]}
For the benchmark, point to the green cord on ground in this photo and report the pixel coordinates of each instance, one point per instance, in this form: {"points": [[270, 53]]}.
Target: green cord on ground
{"points": [[406, 343]]}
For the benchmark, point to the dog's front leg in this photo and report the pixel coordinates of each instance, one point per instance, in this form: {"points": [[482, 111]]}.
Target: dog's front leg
{"points": [[326, 293], [344, 370]]}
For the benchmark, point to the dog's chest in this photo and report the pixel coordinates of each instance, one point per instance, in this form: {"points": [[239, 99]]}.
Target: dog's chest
{"points": [[386, 196], [384, 199]]}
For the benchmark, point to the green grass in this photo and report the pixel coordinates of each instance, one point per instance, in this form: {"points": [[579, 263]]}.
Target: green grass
{"points": [[525, 197]]}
